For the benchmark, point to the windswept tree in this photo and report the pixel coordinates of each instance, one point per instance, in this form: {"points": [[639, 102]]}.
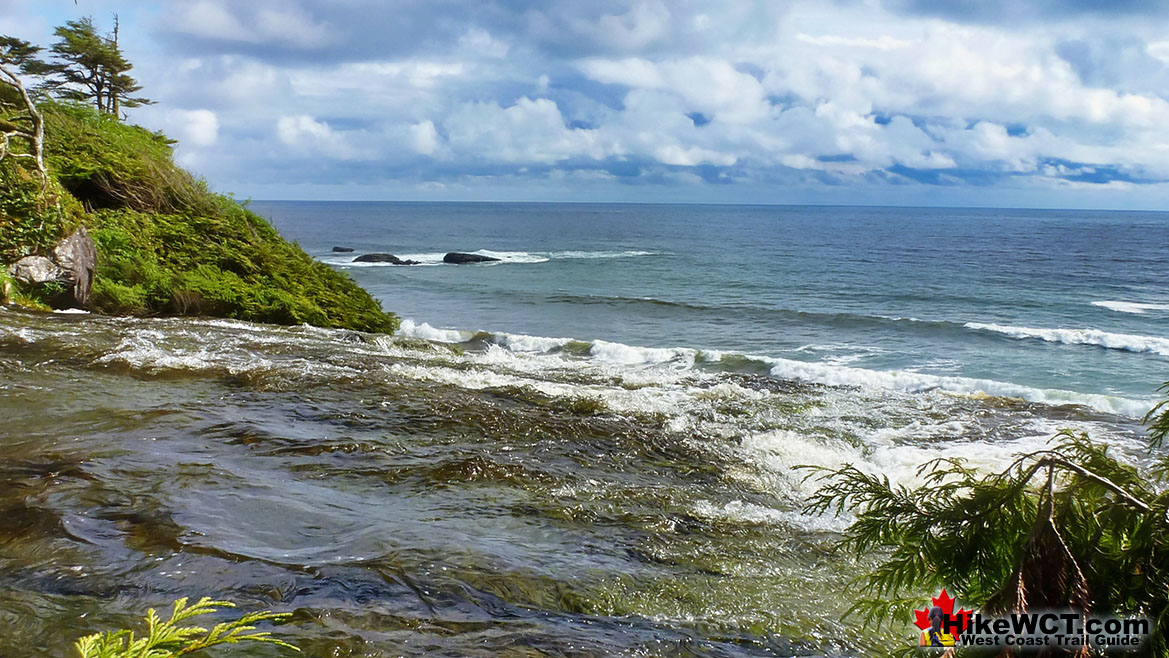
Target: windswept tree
{"points": [[21, 55], [90, 67]]}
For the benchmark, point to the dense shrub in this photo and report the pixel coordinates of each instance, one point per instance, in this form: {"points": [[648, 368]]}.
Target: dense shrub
{"points": [[166, 244]]}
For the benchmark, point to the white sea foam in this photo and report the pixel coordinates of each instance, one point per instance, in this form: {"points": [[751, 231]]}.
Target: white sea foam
{"points": [[620, 353], [346, 260], [434, 258], [592, 255], [884, 452], [1131, 307], [512, 256], [835, 375], [621, 356], [1112, 341], [411, 329], [523, 343]]}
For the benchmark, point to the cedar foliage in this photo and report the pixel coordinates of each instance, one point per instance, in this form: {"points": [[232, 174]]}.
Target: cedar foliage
{"points": [[1067, 527], [169, 639]]}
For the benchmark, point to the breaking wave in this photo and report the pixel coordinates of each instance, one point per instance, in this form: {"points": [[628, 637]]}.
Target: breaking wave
{"points": [[1131, 307], [816, 372], [1095, 337]]}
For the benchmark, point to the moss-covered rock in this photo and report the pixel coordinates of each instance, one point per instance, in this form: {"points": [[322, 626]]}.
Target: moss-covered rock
{"points": [[166, 244]]}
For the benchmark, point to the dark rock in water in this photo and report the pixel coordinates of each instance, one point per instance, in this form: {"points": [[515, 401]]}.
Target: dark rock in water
{"points": [[342, 250], [77, 257], [458, 258], [383, 258], [74, 260]]}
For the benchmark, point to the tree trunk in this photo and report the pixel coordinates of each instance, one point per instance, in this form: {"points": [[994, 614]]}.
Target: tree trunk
{"points": [[35, 133]]}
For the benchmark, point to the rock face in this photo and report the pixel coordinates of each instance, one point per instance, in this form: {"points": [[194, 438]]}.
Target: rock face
{"points": [[77, 256], [73, 263], [458, 258], [383, 258], [342, 250], [35, 270]]}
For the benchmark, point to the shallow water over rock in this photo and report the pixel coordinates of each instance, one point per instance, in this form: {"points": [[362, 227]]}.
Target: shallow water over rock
{"points": [[403, 497]]}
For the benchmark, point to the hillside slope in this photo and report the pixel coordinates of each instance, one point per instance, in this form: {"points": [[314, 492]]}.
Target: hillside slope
{"points": [[166, 245]]}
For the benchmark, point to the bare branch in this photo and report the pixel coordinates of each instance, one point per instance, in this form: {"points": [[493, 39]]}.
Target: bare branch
{"points": [[35, 135]]}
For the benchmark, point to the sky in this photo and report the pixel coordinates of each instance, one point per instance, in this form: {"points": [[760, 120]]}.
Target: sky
{"points": [[1043, 103]]}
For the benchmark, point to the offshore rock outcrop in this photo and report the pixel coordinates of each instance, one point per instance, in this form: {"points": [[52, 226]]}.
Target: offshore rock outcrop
{"points": [[383, 258], [459, 258]]}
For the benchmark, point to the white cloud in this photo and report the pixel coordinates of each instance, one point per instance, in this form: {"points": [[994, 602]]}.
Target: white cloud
{"points": [[210, 19], [707, 85], [531, 130], [294, 129], [883, 42], [194, 127], [479, 41], [644, 23], [674, 154], [769, 90], [375, 78], [424, 138], [316, 138], [261, 22], [1159, 50]]}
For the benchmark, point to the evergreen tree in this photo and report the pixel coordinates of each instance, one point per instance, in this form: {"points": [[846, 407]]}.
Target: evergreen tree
{"points": [[1071, 526], [21, 54], [90, 67]]}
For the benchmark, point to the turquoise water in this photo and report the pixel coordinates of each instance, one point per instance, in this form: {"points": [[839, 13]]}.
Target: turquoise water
{"points": [[1060, 306]]}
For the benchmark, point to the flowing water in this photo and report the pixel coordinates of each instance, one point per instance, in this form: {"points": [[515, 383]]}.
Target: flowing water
{"points": [[589, 448]]}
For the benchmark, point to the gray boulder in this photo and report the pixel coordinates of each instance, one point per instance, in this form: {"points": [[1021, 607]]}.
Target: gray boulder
{"points": [[72, 265], [34, 270], [77, 257], [342, 250], [458, 258]]}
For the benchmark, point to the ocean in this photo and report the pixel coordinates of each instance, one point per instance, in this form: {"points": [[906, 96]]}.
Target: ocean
{"points": [[1049, 306], [587, 448]]}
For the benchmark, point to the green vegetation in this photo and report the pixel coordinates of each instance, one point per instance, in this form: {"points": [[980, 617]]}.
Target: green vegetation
{"points": [[90, 67], [1068, 527], [167, 639], [166, 244]]}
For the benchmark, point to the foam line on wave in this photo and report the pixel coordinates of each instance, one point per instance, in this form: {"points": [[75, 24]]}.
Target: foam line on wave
{"points": [[817, 372], [1139, 308], [1093, 337]]}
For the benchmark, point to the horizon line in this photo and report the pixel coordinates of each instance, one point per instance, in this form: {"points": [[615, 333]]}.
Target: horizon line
{"points": [[709, 203]]}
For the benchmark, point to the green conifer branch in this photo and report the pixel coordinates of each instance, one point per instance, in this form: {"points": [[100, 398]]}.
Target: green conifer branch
{"points": [[170, 639]]}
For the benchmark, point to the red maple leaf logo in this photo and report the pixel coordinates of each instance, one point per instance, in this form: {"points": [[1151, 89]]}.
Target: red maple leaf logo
{"points": [[921, 618]]}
